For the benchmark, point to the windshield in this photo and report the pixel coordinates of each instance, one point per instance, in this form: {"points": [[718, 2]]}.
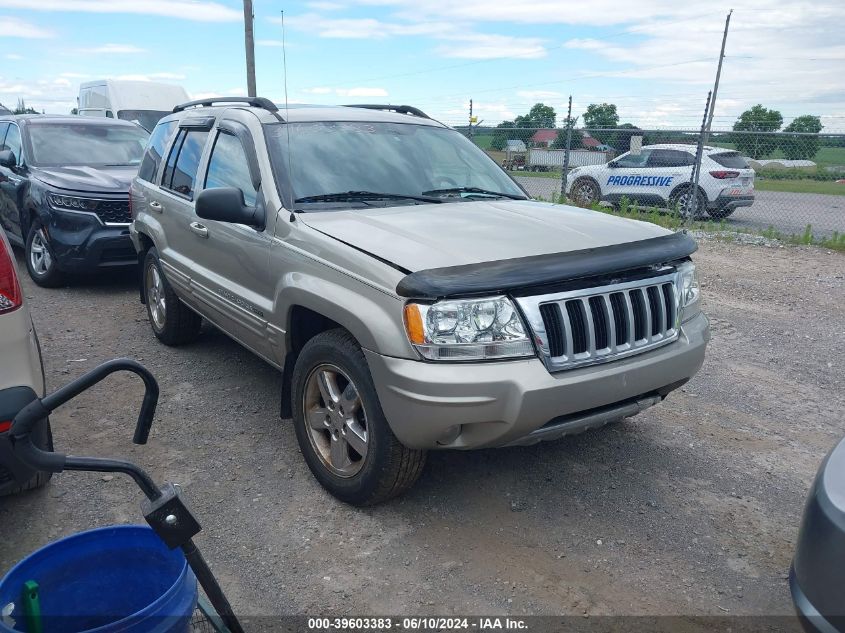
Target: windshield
{"points": [[81, 143], [392, 158], [147, 119]]}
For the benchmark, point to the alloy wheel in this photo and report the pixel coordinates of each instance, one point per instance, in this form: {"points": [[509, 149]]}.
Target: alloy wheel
{"points": [[335, 419], [155, 296], [39, 255]]}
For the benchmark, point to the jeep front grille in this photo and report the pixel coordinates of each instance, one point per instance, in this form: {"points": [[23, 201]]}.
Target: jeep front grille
{"points": [[596, 325]]}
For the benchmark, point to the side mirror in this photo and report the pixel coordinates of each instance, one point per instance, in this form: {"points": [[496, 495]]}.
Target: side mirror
{"points": [[226, 204], [612, 164], [7, 159]]}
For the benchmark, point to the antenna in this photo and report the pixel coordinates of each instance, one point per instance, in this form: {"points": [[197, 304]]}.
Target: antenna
{"points": [[287, 118]]}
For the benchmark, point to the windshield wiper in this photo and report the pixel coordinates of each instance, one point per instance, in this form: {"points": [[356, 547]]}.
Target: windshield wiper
{"points": [[365, 195], [478, 190]]}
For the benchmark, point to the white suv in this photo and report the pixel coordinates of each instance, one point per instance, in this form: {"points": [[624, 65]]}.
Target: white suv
{"points": [[661, 175]]}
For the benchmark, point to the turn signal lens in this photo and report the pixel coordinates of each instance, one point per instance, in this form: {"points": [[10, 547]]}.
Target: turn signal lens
{"points": [[414, 324]]}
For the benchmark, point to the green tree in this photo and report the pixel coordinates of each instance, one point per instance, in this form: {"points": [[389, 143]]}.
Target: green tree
{"points": [[539, 116], [601, 116], [802, 147], [621, 141], [757, 119], [22, 108], [500, 135], [577, 141]]}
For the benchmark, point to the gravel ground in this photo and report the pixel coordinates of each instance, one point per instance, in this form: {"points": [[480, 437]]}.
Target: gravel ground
{"points": [[692, 508], [789, 213]]}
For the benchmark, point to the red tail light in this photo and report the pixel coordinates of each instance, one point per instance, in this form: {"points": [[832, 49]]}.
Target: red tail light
{"points": [[5, 426], [10, 290], [722, 175]]}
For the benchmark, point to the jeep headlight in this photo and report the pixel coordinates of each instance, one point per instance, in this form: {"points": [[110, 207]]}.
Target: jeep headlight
{"points": [[467, 329], [690, 291]]}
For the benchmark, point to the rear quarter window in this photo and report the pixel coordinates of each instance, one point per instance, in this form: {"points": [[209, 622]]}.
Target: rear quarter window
{"points": [[734, 160], [155, 150]]}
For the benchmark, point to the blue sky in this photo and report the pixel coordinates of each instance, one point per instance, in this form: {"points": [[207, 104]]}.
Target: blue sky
{"points": [[656, 59]]}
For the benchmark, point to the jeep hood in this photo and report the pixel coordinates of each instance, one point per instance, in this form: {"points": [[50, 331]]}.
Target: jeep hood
{"points": [[420, 237]]}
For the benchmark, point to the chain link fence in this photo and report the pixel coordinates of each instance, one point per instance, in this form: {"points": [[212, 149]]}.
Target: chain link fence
{"points": [[779, 184]]}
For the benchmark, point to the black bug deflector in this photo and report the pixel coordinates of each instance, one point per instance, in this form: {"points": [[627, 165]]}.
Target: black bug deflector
{"points": [[510, 275]]}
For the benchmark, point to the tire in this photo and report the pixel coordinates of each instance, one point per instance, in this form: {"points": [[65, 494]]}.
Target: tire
{"points": [[678, 200], [372, 467], [43, 439], [40, 263], [720, 214], [585, 191], [172, 321]]}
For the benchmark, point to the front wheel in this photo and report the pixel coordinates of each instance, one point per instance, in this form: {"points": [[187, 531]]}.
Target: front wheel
{"points": [[40, 263], [341, 429]]}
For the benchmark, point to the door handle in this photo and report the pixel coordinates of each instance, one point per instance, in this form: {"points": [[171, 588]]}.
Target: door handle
{"points": [[199, 229], [156, 206]]}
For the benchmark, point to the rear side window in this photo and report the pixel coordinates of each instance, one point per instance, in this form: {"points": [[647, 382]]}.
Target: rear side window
{"points": [[155, 150], [180, 173], [670, 158], [734, 160], [228, 167]]}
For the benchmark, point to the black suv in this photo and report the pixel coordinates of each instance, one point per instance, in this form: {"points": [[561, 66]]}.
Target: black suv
{"points": [[64, 191]]}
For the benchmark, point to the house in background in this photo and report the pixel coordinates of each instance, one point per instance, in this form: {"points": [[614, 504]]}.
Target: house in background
{"points": [[513, 146], [543, 138]]}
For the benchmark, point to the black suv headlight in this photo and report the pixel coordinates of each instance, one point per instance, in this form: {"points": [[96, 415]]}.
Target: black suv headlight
{"points": [[71, 203]]}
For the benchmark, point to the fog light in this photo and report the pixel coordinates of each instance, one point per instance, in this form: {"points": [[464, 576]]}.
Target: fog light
{"points": [[450, 435]]}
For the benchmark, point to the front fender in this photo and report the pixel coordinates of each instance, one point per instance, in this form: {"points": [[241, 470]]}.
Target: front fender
{"points": [[372, 316]]}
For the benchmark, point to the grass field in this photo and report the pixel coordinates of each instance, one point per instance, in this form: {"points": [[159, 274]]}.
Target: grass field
{"points": [[825, 157], [801, 186]]}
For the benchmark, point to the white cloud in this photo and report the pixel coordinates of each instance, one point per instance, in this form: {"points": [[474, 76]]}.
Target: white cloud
{"points": [[14, 27], [361, 28], [490, 46], [324, 6], [361, 92], [114, 49], [14, 56], [318, 91], [196, 10]]}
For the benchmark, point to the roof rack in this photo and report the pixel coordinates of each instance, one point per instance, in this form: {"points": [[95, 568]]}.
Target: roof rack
{"points": [[256, 102], [401, 109]]}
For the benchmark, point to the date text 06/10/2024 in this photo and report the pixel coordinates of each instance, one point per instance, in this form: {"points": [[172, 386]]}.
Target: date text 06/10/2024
{"points": [[417, 624]]}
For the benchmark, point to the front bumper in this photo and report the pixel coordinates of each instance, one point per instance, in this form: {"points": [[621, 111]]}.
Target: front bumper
{"points": [[477, 405], [79, 242], [732, 202], [817, 576]]}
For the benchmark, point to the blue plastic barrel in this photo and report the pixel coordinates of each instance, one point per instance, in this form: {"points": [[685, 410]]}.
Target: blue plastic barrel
{"points": [[111, 579]]}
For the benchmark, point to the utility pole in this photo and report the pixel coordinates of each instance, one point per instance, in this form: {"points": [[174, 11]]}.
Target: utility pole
{"points": [[470, 119], [569, 125], [249, 40], [718, 76]]}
